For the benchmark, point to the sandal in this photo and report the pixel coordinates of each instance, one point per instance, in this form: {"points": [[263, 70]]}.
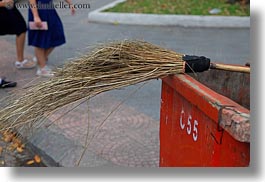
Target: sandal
{"points": [[25, 64], [45, 72], [7, 84]]}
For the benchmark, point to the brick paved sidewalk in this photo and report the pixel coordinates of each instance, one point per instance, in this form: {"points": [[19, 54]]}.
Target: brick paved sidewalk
{"points": [[130, 136], [7, 61], [127, 137]]}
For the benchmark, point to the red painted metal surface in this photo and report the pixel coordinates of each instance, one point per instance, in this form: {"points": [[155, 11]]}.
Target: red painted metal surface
{"points": [[199, 127]]}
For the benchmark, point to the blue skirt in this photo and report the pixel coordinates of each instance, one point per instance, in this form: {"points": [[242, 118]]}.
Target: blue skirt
{"points": [[52, 37]]}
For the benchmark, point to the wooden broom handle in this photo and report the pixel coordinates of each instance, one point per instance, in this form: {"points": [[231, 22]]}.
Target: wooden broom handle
{"points": [[218, 66]]}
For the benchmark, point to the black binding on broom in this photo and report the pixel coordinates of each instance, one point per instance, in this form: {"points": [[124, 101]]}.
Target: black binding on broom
{"points": [[196, 63]]}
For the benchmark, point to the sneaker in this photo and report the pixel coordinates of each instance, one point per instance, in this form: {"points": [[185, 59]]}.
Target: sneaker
{"points": [[7, 84], [45, 72], [25, 64]]}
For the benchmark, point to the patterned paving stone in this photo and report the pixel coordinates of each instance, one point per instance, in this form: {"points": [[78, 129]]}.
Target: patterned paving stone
{"points": [[127, 137]]}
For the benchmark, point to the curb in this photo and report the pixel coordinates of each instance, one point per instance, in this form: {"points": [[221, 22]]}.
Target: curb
{"points": [[46, 159], [166, 20]]}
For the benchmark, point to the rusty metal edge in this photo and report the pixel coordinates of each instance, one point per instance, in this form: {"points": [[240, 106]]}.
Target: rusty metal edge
{"points": [[235, 119]]}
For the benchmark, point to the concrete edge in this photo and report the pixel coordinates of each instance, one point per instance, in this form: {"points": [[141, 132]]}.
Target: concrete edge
{"points": [[166, 20], [110, 5], [46, 159]]}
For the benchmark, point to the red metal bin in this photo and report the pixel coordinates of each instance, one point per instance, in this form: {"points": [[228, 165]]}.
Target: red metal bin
{"points": [[205, 119]]}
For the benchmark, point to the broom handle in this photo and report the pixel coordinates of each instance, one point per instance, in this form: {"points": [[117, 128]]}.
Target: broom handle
{"points": [[218, 66]]}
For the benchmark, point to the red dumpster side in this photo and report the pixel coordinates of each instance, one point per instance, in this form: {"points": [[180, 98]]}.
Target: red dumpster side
{"points": [[199, 127]]}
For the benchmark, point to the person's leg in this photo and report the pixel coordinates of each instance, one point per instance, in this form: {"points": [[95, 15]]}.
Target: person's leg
{"points": [[43, 70], [20, 43], [48, 52], [40, 54]]}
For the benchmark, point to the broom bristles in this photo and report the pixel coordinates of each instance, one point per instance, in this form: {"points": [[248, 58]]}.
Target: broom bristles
{"points": [[107, 67]]}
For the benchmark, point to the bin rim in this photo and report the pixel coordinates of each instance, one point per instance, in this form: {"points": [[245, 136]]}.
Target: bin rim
{"points": [[229, 115]]}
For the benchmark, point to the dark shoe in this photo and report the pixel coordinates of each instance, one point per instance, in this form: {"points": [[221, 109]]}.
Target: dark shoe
{"points": [[7, 84]]}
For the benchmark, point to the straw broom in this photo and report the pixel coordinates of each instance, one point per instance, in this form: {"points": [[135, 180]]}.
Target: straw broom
{"points": [[107, 67]]}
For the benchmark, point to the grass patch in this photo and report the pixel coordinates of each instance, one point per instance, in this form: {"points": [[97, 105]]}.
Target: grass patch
{"points": [[186, 7]]}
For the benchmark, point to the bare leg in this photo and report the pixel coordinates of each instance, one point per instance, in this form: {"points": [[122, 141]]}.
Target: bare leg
{"points": [[20, 43], [40, 54], [48, 52]]}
